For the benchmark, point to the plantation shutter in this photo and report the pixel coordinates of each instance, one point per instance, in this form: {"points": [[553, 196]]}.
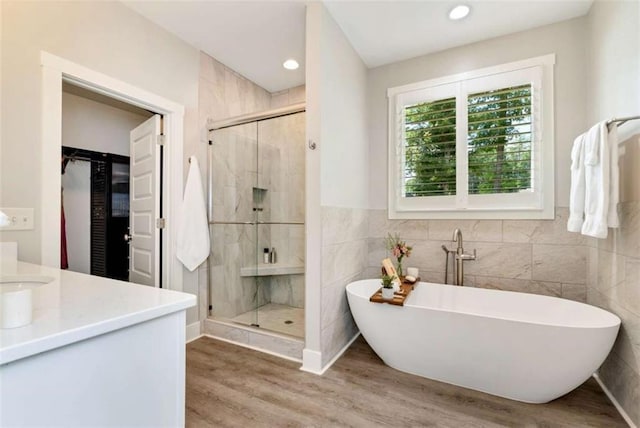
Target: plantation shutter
{"points": [[429, 164], [473, 143], [499, 140], [499, 144]]}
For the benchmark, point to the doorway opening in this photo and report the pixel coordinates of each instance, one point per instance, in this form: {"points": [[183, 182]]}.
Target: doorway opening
{"points": [[98, 137], [165, 129]]}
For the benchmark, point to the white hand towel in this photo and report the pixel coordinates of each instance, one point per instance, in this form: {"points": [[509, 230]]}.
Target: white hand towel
{"points": [[597, 154], [576, 195], [193, 231], [614, 183]]}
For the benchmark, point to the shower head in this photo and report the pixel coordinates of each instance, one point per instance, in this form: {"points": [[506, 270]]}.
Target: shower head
{"points": [[444, 248]]}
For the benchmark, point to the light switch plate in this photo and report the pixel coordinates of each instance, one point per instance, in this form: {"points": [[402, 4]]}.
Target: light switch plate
{"points": [[19, 218]]}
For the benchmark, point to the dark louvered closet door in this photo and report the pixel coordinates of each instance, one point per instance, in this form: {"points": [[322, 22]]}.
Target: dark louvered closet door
{"points": [[99, 209]]}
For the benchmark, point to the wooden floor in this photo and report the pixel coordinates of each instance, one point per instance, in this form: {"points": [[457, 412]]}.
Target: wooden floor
{"points": [[230, 386]]}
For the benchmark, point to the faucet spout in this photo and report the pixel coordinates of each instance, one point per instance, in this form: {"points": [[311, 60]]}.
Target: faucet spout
{"points": [[459, 258], [457, 237]]}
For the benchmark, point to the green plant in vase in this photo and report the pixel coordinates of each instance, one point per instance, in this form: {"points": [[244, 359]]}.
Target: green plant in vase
{"points": [[387, 281], [387, 286], [399, 249]]}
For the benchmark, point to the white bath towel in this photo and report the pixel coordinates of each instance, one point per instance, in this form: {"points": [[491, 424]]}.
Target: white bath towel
{"points": [[576, 195], [193, 230], [597, 160]]}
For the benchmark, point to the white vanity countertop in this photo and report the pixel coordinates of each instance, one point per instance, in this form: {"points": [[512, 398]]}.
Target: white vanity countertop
{"points": [[75, 306]]}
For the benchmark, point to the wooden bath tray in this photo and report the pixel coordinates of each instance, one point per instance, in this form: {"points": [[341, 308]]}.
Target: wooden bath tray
{"points": [[399, 297]]}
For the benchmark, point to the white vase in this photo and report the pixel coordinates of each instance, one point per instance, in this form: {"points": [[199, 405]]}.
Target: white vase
{"points": [[387, 293]]}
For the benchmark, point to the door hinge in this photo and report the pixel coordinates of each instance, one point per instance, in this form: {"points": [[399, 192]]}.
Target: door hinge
{"points": [[160, 140], [161, 223]]}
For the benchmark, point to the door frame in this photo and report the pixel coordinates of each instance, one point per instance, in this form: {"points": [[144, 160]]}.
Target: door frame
{"points": [[55, 70]]}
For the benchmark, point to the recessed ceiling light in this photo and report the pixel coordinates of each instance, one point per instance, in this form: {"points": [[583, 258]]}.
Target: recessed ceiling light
{"points": [[290, 64], [459, 12]]}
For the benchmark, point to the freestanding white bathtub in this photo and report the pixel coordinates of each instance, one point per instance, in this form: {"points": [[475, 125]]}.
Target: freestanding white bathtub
{"points": [[520, 346]]}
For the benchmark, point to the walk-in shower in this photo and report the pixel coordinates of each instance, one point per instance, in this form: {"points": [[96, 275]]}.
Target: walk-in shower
{"points": [[256, 210]]}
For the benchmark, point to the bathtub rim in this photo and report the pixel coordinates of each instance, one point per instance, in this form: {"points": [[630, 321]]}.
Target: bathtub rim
{"points": [[616, 322]]}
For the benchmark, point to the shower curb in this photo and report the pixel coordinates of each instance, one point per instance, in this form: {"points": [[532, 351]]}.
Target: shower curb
{"points": [[279, 345]]}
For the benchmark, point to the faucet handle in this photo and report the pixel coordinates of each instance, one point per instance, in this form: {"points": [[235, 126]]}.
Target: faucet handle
{"points": [[467, 256]]}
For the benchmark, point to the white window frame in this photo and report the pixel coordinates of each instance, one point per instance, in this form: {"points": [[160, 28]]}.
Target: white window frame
{"points": [[537, 204]]}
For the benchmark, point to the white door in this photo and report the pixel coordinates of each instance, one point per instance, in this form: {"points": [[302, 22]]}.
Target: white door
{"points": [[144, 210]]}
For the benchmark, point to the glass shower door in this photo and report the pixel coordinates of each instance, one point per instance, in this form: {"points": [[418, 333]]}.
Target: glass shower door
{"points": [[234, 285], [258, 210], [281, 180]]}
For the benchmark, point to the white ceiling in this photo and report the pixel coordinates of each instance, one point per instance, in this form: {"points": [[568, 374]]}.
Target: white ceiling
{"points": [[255, 37], [389, 31]]}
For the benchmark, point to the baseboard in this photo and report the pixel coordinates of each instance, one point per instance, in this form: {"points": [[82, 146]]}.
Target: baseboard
{"points": [[193, 332], [312, 360], [622, 412], [253, 348]]}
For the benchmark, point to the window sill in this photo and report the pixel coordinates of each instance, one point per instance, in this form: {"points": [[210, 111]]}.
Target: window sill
{"points": [[474, 214]]}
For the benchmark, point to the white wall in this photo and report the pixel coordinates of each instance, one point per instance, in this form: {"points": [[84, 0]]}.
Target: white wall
{"points": [[344, 150], [76, 183], [337, 122], [103, 36], [106, 37], [343, 136], [613, 71], [566, 39], [92, 125], [312, 354]]}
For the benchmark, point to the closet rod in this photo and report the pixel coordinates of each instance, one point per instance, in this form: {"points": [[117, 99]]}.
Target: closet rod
{"points": [[79, 158], [621, 120]]}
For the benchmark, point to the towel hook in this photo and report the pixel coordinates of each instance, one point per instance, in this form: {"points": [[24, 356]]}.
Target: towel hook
{"points": [[312, 145]]}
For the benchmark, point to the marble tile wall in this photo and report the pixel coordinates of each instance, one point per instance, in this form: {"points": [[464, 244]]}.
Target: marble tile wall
{"points": [[282, 163], [534, 256], [287, 290], [288, 96], [223, 93], [613, 283], [344, 259]]}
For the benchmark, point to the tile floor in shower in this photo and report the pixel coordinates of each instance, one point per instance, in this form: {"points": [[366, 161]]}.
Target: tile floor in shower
{"points": [[274, 317]]}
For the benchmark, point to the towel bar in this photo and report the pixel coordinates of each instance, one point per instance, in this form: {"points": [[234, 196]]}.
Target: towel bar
{"points": [[621, 120]]}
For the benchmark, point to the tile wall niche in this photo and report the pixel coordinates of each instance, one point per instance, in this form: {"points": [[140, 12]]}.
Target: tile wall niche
{"points": [[344, 259], [533, 256], [613, 283], [224, 93]]}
